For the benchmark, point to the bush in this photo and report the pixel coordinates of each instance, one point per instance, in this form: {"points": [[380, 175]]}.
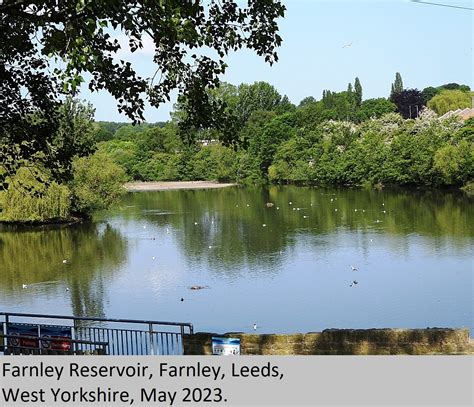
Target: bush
{"points": [[97, 183], [449, 100], [32, 197]]}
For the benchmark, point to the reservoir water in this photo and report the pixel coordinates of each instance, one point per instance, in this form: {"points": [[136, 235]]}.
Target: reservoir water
{"points": [[287, 267]]}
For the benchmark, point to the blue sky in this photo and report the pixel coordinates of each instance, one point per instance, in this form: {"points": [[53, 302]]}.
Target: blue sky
{"points": [[429, 45]]}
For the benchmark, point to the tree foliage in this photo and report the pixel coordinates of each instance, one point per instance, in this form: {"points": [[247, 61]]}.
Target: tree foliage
{"points": [[358, 92], [409, 102], [375, 108], [448, 100], [97, 184], [78, 33], [397, 86], [33, 197]]}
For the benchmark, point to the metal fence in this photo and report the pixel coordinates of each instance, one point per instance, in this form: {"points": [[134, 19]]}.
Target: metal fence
{"points": [[22, 333]]}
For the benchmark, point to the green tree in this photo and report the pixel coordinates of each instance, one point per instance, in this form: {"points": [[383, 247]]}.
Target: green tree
{"points": [[455, 162], [449, 100], [428, 93], [32, 196], [307, 100], [375, 108], [72, 136], [257, 96], [47, 47], [265, 142], [358, 92], [97, 183], [397, 86]]}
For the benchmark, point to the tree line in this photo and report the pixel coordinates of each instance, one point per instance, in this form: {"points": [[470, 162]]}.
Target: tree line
{"points": [[340, 139]]}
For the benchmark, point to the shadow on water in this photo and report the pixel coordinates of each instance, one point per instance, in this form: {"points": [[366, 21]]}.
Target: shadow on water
{"points": [[77, 258]]}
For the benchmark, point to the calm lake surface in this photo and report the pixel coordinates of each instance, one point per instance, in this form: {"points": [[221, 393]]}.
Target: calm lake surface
{"points": [[286, 268]]}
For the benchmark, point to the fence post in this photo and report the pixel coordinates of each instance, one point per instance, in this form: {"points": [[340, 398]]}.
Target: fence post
{"points": [[5, 340], [152, 346]]}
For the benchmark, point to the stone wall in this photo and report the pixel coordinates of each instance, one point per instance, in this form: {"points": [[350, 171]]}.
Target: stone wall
{"points": [[342, 342]]}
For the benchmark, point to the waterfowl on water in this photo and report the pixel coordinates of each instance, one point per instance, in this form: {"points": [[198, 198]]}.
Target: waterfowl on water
{"points": [[353, 268], [354, 283], [24, 286]]}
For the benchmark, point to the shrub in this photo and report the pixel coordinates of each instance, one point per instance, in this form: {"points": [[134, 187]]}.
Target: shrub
{"points": [[97, 183]]}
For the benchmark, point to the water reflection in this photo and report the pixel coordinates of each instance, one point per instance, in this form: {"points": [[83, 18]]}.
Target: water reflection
{"points": [[284, 266], [234, 226], [50, 261]]}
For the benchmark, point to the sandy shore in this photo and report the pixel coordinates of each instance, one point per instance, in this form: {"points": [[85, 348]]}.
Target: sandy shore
{"points": [[172, 185]]}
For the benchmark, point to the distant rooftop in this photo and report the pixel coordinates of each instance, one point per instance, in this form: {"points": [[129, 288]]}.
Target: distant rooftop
{"points": [[463, 114]]}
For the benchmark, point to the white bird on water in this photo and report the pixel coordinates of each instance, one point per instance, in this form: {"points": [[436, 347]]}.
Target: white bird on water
{"points": [[254, 327], [353, 268], [24, 286], [64, 261]]}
